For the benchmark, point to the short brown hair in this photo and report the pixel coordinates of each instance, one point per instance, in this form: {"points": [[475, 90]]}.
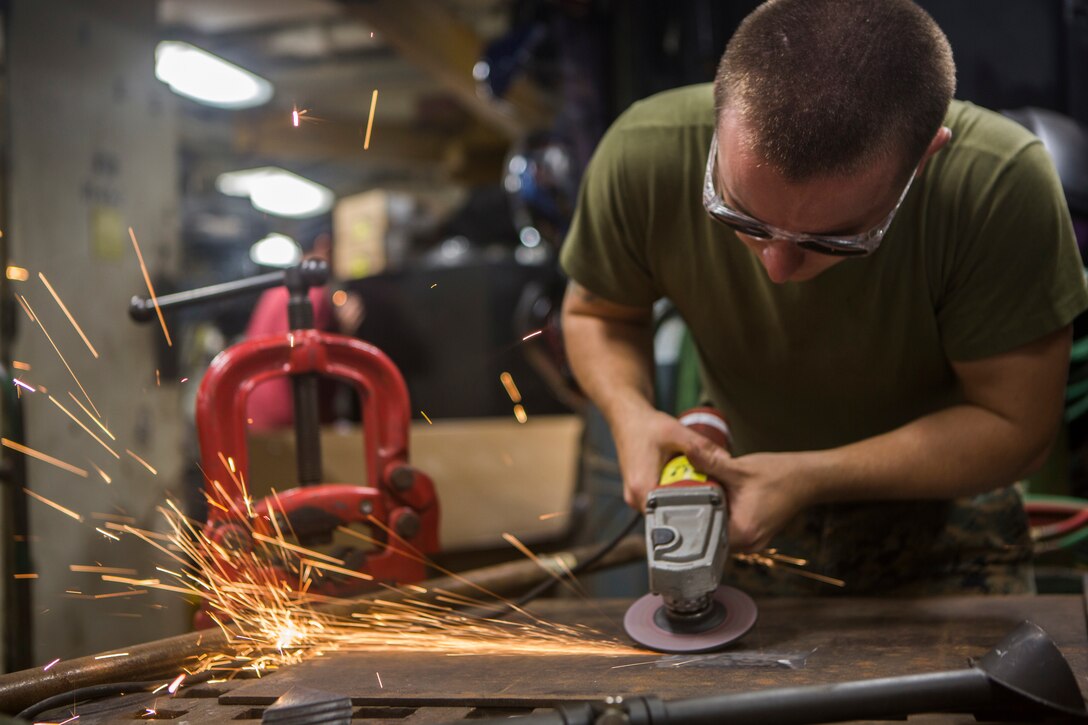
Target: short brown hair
{"points": [[824, 86]]}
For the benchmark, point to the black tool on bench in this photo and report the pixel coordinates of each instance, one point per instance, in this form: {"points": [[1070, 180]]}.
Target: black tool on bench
{"points": [[1023, 679]]}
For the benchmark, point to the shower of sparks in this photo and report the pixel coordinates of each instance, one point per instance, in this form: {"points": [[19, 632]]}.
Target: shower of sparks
{"points": [[507, 381], [42, 457], [260, 596], [78, 422], [425, 417], [57, 506], [57, 350], [24, 386], [17, 274], [532, 335], [150, 288], [46, 668], [370, 121], [94, 418], [142, 462], [68, 314], [520, 414]]}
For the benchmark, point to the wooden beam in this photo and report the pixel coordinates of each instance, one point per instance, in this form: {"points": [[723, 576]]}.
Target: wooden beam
{"points": [[429, 35]]}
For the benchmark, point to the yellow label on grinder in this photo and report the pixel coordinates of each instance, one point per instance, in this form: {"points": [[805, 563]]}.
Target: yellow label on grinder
{"points": [[679, 469]]}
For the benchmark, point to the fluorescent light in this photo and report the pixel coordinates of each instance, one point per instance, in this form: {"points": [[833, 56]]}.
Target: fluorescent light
{"points": [[277, 191], [276, 250], [208, 79]]}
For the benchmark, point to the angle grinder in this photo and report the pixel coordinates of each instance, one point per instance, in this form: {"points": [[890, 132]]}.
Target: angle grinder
{"points": [[687, 545]]}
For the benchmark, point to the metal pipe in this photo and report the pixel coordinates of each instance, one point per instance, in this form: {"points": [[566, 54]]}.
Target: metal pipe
{"points": [[19, 690]]}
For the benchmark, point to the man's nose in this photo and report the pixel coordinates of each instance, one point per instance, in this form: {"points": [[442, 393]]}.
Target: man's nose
{"points": [[780, 258]]}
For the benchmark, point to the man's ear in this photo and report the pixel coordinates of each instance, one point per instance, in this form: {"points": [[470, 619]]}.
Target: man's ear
{"points": [[942, 137]]}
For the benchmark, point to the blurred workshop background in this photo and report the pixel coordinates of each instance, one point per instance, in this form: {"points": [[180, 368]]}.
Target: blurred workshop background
{"points": [[431, 151]]}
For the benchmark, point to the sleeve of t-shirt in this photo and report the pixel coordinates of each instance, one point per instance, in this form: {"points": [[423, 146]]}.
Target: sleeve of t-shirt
{"points": [[1016, 273], [605, 249]]}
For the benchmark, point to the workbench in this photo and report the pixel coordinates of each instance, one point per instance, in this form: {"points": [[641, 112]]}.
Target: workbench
{"points": [[795, 642]]}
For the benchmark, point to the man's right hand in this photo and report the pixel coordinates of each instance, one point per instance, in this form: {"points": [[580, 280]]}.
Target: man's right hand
{"points": [[645, 441]]}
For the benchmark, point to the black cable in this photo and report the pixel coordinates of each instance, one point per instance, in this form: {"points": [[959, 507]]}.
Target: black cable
{"points": [[550, 582], [94, 692]]}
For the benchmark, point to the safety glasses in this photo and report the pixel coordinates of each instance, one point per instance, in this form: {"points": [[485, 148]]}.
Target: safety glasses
{"points": [[857, 245]]}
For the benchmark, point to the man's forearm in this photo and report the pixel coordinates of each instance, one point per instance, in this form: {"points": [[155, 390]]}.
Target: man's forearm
{"points": [[612, 361], [959, 451]]}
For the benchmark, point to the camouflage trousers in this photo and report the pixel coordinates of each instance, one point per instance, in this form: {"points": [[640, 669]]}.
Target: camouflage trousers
{"points": [[976, 545]]}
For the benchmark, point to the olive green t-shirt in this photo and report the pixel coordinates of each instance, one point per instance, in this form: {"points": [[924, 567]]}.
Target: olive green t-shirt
{"points": [[980, 259]]}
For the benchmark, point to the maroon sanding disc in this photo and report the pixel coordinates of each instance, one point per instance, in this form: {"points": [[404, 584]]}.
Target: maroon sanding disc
{"points": [[734, 615]]}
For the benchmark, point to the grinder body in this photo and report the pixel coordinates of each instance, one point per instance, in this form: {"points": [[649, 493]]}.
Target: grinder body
{"points": [[687, 533], [687, 546]]}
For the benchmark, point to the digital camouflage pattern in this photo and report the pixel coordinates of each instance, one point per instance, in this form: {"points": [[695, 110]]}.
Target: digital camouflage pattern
{"points": [[977, 545]]}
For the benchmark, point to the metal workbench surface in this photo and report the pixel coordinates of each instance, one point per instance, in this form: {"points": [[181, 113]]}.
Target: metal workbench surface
{"points": [[795, 642]]}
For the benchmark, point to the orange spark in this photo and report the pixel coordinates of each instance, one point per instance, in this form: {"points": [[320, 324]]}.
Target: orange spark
{"points": [[107, 534], [115, 654], [520, 414], [532, 334], [57, 506], [94, 418], [26, 576], [380, 681], [142, 462], [426, 418], [339, 298], [85, 428], [57, 349], [545, 517], [25, 307], [511, 389], [370, 121], [68, 314], [150, 288], [103, 474], [87, 568], [17, 274], [42, 457], [174, 685], [20, 365]]}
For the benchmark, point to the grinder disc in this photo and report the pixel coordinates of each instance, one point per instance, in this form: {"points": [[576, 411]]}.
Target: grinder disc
{"points": [[734, 615]]}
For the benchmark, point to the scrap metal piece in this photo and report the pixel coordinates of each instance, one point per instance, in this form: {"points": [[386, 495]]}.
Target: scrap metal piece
{"points": [[305, 706]]}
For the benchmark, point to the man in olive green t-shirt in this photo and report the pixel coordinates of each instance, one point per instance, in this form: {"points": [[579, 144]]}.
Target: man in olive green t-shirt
{"points": [[879, 282]]}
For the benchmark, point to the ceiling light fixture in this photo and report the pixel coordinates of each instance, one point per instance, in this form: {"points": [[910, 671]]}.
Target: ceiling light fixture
{"points": [[208, 79], [277, 191], [276, 250]]}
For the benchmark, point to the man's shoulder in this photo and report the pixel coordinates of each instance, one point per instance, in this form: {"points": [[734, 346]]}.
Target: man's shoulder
{"points": [[687, 106], [985, 131]]}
